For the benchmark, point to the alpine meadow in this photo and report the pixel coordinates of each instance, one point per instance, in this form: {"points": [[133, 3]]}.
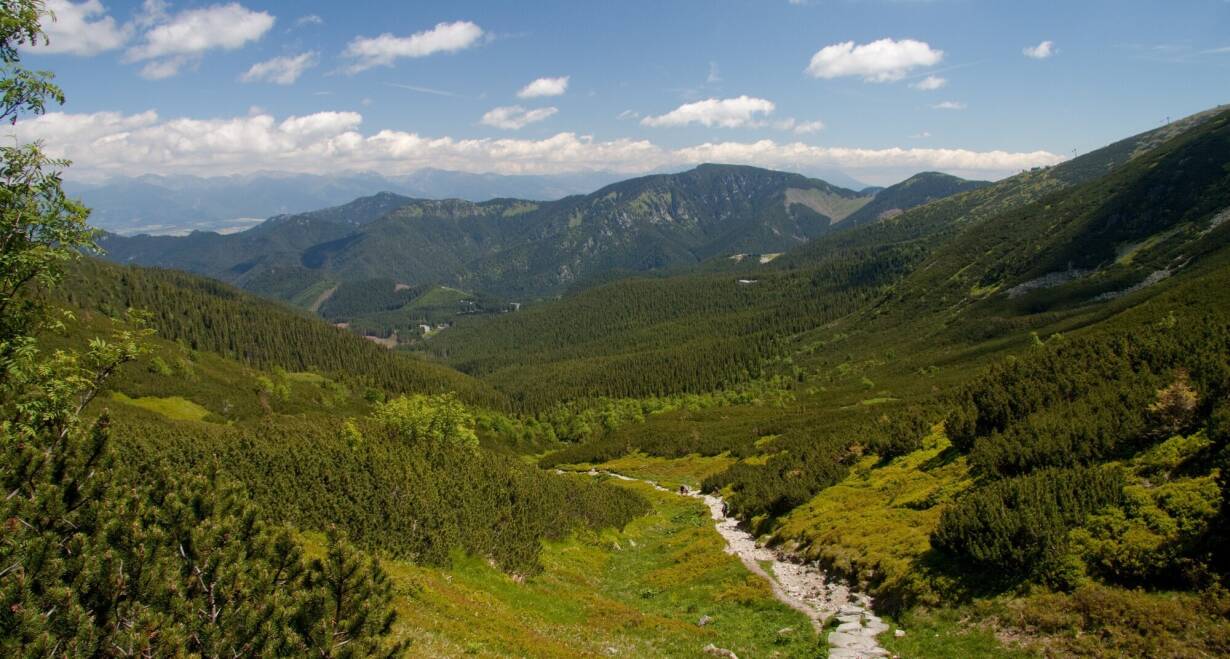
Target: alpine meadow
{"points": [[784, 328]]}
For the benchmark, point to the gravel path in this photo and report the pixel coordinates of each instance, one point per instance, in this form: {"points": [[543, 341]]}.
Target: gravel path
{"points": [[800, 586]]}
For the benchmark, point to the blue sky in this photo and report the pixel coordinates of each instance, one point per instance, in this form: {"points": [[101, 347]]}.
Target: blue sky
{"points": [[178, 87]]}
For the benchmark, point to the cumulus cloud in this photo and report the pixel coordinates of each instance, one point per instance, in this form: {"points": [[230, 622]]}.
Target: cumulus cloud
{"points": [[545, 87], [281, 70], [368, 52], [948, 105], [930, 83], [174, 41], [1040, 51], [884, 60], [726, 112], [81, 29], [515, 117], [111, 143]]}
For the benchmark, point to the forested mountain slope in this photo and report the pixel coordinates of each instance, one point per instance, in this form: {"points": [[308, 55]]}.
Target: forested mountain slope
{"points": [[917, 190], [513, 247], [997, 243], [206, 315]]}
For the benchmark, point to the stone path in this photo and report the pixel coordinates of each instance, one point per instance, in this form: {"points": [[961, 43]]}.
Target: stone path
{"points": [[800, 586]]}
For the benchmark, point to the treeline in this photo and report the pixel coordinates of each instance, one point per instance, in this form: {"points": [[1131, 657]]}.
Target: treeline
{"points": [[207, 315]]}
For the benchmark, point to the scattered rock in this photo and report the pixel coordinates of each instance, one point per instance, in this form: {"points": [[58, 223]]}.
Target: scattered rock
{"points": [[899, 633], [720, 652], [704, 620], [785, 631]]}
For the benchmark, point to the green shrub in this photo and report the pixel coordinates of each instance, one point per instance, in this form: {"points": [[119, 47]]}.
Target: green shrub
{"points": [[1013, 527]]}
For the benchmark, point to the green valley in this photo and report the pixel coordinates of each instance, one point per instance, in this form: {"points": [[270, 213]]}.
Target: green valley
{"points": [[710, 410]]}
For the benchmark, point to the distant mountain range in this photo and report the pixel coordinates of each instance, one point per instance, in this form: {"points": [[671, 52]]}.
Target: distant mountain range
{"points": [[180, 204], [522, 248]]}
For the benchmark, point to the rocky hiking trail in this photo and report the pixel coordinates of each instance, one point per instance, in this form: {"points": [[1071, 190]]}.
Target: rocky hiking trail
{"points": [[801, 586]]}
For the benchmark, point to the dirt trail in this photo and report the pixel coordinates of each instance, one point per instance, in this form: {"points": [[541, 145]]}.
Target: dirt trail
{"points": [[800, 586]]}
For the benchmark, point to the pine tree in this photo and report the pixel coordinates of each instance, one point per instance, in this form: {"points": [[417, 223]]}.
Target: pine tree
{"points": [[94, 560]]}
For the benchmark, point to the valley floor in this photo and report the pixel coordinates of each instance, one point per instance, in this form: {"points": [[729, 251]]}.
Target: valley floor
{"points": [[640, 592]]}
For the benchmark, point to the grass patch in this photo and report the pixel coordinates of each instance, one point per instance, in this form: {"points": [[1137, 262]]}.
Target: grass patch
{"points": [[172, 407], [945, 633], [636, 592], [304, 376]]}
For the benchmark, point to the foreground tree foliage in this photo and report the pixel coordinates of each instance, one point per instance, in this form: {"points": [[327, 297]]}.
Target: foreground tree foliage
{"points": [[97, 561]]}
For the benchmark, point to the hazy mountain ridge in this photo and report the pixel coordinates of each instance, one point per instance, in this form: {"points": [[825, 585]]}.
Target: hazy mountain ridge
{"points": [[179, 204], [514, 246]]}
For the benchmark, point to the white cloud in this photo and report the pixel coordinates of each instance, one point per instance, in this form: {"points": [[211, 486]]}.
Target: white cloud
{"points": [[726, 112], [175, 41], [884, 60], [515, 117], [152, 13], [81, 29], [310, 19], [714, 76], [628, 114], [1040, 51], [165, 68], [320, 123], [281, 70], [930, 83], [808, 127], [545, 87], [111, 143], [948, 105], [920, 136], [385, 49]]}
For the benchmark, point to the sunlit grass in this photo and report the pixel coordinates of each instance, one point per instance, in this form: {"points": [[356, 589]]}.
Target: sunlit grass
{"points": [[880, 517], [172, 407], [639, 592]]}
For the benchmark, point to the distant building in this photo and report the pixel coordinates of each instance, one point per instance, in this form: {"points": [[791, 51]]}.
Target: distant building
{"points": [[426, 329], [748, 281]]}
